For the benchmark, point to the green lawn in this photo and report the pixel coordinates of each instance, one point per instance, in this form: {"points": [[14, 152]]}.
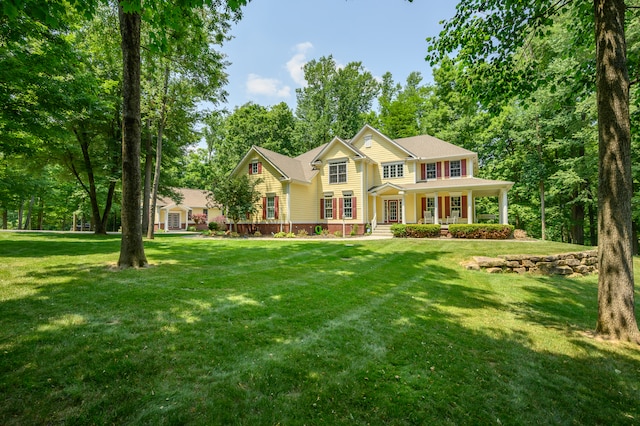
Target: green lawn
{"points": [[266, 332]]}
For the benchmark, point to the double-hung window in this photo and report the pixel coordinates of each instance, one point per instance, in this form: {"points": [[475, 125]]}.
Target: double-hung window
{"points": [[271, 207], [347, 207], [338, 172], [431, 171], [456, 205], [455, 168], [393, 170], [328, 208]]}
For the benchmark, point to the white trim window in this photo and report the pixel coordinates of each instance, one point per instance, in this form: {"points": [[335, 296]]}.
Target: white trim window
{"points": [[431, 205], [254, 168], [271, 207], [456, 205], [392, 170], [338, 172], [455, 168], [328, 208], [430, 170], [347, 207]]}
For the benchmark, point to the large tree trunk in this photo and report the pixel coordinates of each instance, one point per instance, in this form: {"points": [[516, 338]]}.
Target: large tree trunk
{"points": [[5, 218], [131, 247], [616, 315]]}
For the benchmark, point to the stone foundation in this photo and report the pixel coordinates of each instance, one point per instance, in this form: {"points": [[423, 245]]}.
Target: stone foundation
{"points": [[570, 264]]}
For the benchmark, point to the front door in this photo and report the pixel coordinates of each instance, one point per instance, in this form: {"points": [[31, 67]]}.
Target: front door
{"points": [[174, 220], [393, 211]]}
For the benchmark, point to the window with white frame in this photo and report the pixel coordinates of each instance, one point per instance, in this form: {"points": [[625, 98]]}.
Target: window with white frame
{"points": [[431, 171], [455, 169], [271, 207], [393, 170], [328, 208], [456, 205], [431, 205], [338, 172], [347, 207], [255, 168]]}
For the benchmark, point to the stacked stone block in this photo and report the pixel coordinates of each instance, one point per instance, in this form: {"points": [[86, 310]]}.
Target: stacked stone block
{"points": [[578, 263]]}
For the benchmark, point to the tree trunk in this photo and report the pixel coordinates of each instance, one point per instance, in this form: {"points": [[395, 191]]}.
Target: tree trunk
{"points": [[5, 218], [27, 222], [40, 214], [156, 174], [636, 246], [146, 193], [593, 229], [20, 210], [98, 225], [616, 315], [577, 223], [131, 247], [543, 223]]}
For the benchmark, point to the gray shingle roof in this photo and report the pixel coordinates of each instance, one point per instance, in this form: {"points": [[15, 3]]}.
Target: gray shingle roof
{"points": [[426, 146]]}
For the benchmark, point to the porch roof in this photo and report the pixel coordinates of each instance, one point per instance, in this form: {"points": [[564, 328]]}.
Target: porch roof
{"points": [[480, 187]]}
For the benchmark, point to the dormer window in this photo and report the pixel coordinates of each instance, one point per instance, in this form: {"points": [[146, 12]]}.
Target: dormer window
{"points": [[455, 168], [392, 170]]}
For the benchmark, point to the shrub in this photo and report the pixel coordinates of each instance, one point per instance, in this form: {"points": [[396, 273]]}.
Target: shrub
{"points": [[290, 235], [354, 230], [280, 234], [325, 233], [213, 226], [415, 230], [257, 234], [338, 234], [399, 230], [191, 229], [302, 233], [199, 218], [481, 231]]}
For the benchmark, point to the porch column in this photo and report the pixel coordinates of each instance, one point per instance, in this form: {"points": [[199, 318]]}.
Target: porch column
{"points": [[504, 207], [469, 206], [436, 208], [374, 220], [166, 220], [404, 207]]}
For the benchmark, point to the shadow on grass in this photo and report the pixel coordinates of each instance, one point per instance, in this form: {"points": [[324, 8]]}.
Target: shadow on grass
{"points": [[258, 332]]}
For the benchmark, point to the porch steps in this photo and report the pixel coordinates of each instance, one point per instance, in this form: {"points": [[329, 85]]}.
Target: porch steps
{"points": [[382, 231]]}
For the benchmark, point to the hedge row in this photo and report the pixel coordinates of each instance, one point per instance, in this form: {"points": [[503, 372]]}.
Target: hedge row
{"points": [[481, 231], [415, 230]]}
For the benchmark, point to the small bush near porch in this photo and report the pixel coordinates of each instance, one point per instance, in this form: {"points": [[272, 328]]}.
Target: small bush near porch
{"points": [[481, 231], [415, 231]]}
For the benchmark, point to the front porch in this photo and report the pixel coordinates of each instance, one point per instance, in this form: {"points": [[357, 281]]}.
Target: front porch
{"points": [[437, 202]]}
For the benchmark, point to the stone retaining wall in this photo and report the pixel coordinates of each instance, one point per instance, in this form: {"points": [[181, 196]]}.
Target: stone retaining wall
{"points": [[580, 263]]}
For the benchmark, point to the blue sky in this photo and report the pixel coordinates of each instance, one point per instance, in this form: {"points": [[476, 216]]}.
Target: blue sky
{"points": [[275, 38]]}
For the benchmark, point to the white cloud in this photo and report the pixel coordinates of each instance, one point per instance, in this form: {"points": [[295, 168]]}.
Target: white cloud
{"points": [[272, 87], [295, 64]]}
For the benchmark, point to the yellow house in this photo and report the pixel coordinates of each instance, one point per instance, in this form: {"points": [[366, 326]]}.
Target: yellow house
{"points": [[175, 215], [349, 185]]}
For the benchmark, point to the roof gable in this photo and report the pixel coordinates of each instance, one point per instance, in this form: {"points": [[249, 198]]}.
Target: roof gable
{"points": [[336, 140]]}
